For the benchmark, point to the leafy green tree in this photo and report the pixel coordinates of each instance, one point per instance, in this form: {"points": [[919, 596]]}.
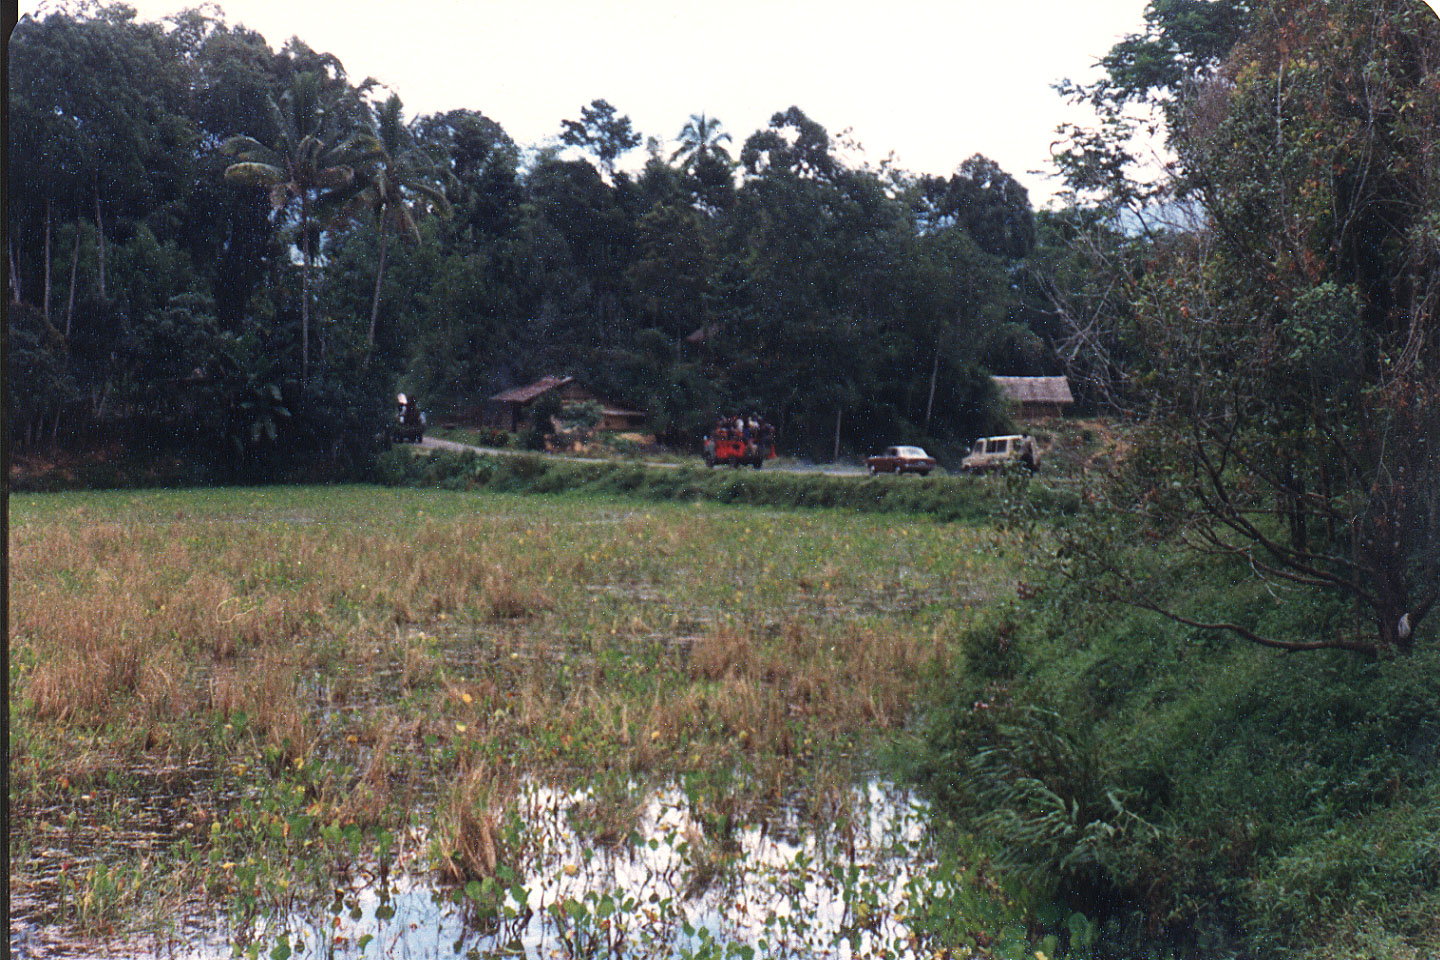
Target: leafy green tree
{"points": [[1151, 80], [602, 132], [986, 202], [38, 381], [792, 143], [670, 271], [228, 232], [95, 129], [1285, 350], [583, 237], [706, 163], [481, 166], [98, 145]]}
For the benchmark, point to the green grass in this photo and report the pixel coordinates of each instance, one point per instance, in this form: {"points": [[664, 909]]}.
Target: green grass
{"points": [[1192, 789], [973, 499]]}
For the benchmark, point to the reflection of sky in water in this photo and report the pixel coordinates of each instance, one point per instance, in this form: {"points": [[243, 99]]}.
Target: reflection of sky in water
{"points": [[779, 882], [780, 878]]}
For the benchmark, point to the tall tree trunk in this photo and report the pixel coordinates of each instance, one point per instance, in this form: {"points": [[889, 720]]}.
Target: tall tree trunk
{"points": [[45, 304], [836, 455], [74, 271], [14, 271], [375, 300], [930, 402], [100, 236], [305, 293]]}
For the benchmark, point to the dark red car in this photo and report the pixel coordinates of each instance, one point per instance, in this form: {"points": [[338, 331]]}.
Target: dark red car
{"points": [[901, 460]]}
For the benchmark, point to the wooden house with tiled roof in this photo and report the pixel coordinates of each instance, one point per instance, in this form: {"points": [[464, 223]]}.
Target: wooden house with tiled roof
{"points": [[508, 409], [1036, 398]]}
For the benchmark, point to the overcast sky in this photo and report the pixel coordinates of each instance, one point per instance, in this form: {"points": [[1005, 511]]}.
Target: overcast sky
{"points": [[934, 81]]}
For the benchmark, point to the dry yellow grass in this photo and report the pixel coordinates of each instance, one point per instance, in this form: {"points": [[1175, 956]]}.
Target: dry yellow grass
{"points": [[661, 639], [471, 848], [400, 662]]}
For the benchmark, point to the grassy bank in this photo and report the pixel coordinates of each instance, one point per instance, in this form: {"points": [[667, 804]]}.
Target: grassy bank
{"points": [[229, 704], [1201, 796], [943, 498]]}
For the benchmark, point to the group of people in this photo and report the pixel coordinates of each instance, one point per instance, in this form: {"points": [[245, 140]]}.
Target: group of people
{"points": [[409, 423], [751, 429], [409, 412]]}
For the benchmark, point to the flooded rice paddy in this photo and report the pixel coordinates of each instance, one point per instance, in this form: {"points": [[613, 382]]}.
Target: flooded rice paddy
{"points": [[354, 722], [679, 880]]}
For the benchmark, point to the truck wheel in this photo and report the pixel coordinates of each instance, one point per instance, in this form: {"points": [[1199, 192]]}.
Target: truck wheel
{"points": [[899, 469]]}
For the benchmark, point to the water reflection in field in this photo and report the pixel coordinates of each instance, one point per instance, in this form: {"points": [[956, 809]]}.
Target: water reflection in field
{"points": [[683, 881]]}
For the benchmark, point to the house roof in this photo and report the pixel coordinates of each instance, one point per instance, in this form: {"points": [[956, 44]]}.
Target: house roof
{"points": [[1035, 389], [530, 391], [545, 384], [701, 334]]}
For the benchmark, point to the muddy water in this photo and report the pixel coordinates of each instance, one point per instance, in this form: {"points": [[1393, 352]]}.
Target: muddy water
{"points": [[146, 814], [682, 879]]}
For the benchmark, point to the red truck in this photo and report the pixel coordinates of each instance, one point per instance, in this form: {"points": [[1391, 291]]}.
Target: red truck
{"points": [[740, 443]]}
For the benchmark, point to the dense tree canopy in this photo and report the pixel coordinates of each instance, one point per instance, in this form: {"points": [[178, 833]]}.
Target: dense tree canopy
{"points": [[1282, 353], [187, 169]]}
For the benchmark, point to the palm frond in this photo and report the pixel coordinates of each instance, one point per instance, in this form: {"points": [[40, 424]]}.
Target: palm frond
{"points": [[236, 145], [435, 195], [254, 174], [329, 178]]}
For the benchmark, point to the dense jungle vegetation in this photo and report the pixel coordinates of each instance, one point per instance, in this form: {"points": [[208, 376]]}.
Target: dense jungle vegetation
{"points": [[1206, 721], [234, 249], [1209, 724]]}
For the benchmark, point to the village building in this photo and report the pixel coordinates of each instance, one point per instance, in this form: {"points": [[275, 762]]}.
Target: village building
{"points": [[703, 334], [1036, 398], [509, 409]]}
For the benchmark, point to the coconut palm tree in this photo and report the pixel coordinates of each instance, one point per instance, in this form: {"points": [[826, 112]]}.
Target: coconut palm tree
{"points": [[701, 135], [401, 183], [314, 160]]}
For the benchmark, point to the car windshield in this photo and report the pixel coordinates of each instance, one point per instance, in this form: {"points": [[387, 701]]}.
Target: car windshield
{"points": [[911, 452]]}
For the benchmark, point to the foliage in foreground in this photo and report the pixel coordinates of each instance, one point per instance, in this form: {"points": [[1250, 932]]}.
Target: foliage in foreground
{"points": [[1173, 772], [1282, 348], [1194, 790]]}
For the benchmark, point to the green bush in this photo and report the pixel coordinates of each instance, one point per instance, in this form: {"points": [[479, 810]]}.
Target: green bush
{"points": [[1191, 790]]}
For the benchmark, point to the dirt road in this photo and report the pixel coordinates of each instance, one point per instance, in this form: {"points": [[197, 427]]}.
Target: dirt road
{"points": [[785, 464]]}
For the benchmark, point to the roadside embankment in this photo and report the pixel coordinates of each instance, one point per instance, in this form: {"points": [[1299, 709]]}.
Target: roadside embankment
{"points": [[945, 498]]}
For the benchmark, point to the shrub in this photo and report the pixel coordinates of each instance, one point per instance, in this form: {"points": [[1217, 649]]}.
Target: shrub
{"points": [[1189, 789]]}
